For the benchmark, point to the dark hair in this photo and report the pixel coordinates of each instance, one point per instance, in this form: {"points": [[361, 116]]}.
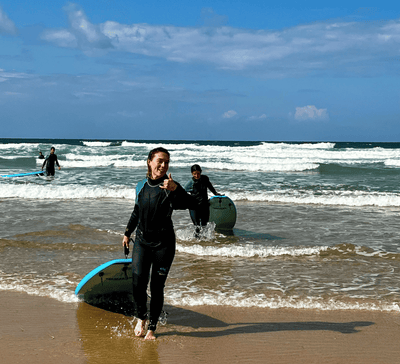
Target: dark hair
{"points": [[151, 156], [195, 167], [53, 148]]}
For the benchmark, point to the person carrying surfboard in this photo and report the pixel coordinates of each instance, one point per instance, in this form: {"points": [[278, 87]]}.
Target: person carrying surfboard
{"points": [[154, 246], [197, 187], [50, 161]]}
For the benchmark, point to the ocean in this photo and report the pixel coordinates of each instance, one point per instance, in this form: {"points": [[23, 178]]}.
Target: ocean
{"points": [[318, 224]]}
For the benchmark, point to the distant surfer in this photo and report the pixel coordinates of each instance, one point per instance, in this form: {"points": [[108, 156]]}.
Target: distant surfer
{"points": [[197, 187], [154, 247], [41, 156], [50, 161]]}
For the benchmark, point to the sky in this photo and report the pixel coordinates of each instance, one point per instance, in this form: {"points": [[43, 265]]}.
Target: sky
{"points": [[200, 70]]}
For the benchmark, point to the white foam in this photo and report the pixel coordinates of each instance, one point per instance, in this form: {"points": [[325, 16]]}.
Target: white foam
{"points": [[88, 161], [96, 144], [10, 157], [328, 198], [264, 157], [65, 192], [248, 251], [19, 146], [216, 298], [59, 294], [277, 156], [392, 163], [237, 299], [324, 197], [250, 165], [150, 146]]}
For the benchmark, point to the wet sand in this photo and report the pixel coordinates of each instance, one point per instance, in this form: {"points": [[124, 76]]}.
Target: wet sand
{"points": [[42, 330]]}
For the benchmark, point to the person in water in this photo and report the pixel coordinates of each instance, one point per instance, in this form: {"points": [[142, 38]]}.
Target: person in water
{"points": [[41, 156], [154, 246], [197, 187], [50, 161]]}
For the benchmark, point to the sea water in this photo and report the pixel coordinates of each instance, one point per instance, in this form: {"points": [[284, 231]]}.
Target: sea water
{"points": [[318, 223]]}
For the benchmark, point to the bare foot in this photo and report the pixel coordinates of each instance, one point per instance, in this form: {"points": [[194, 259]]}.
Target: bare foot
{"points": [[140, 328], [150, 335]]}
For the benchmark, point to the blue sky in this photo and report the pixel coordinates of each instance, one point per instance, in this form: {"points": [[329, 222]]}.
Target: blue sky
{"points": [[200, 70]]}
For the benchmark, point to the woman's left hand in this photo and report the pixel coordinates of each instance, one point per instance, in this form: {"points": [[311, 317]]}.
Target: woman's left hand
{"points": [[169, 184]]}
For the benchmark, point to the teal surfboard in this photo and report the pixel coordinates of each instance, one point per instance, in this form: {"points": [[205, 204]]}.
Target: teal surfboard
{"points": [[111, 281], [23, 174], [222, 213]]}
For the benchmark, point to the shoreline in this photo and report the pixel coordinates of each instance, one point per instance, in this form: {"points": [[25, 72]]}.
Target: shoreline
{"points": [[43, 330]]}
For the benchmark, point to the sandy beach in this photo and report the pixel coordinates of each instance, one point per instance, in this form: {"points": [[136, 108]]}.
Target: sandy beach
{"points": [[42, 330]]}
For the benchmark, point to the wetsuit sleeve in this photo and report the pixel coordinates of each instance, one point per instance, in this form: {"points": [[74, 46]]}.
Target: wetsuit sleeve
{"points": [[211, 187], [44, 163], [58, 165], [181, 200], [133, 221], [189, 186]]}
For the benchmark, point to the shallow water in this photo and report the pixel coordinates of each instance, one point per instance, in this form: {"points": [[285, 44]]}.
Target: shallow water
{"points": [[325, 237]]}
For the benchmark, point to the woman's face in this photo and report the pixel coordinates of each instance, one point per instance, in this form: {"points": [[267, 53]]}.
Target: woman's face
{"points": [[196, 174], [159, 165]]}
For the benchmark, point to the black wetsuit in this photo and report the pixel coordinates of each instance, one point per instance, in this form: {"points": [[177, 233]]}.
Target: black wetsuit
{"points": [[198, 189], [49, 163], [154, 246]]}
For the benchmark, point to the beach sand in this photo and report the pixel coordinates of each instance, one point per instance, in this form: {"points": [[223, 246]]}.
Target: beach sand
{"points": [[43, 330]]}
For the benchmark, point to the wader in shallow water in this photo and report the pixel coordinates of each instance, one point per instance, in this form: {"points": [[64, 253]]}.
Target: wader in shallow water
{"points": [[49, 163]]}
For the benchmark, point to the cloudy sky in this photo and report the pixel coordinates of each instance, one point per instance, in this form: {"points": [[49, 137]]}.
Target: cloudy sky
{"points": [[200, 70]]}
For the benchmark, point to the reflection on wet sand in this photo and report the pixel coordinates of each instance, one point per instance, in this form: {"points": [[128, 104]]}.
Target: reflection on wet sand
{"points": [[107, 337], [225, 335]]}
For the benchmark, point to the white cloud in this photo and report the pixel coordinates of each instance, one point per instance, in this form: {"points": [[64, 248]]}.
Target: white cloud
{"points": [[81, 34], [258, 117], [7, 26], [8, 75], [310, 112], [345, 47], [63, 38], [211, 19], [229, 114], [11, 93]]}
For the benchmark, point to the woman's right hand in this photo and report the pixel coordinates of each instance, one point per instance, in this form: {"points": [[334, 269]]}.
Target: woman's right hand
{"points": [[125, 241]]}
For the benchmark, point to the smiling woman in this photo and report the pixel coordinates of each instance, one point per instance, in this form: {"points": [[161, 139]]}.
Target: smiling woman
{"points": [[154, 248], [157, 163]]}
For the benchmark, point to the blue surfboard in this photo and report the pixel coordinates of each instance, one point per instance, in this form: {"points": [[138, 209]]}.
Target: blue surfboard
{"points": [[23, 174], [111, 281], [222, 213]]}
